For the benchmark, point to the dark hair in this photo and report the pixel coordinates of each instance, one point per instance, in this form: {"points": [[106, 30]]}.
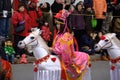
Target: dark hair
{"points": [[67, 7], [62, 26], [20, 5], [45, 9]]}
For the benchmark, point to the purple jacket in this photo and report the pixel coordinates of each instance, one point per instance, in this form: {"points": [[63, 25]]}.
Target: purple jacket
{"points": [[77, 20]]}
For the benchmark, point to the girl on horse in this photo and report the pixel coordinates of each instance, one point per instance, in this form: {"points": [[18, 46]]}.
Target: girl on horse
{"points": [[63, 46]]}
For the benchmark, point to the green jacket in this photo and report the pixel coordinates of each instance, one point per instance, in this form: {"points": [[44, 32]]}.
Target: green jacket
{"points": [[9, 50]]}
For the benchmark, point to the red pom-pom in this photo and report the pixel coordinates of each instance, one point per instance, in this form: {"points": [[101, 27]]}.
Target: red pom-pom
{"points": [[35, 69], [90, 65], [102, 37], [112, 67]]}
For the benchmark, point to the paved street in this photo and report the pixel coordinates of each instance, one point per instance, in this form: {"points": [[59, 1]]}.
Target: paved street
{"points": [[99, 71]]}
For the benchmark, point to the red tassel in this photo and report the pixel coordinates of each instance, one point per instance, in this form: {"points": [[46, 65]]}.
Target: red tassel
{"points": [[90, 65], [35, 69], [112, 67]]}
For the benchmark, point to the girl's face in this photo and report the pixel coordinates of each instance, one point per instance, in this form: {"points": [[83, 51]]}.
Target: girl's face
{"points": [[58, 26], [79, 7], [21, 9]]}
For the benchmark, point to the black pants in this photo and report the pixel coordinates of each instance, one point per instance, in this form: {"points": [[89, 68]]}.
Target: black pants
{"points": [[99, 25], [18, 51], [77, 35]]}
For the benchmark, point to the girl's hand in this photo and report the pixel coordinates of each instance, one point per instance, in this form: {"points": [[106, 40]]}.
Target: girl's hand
{"points": [[51, 49]]}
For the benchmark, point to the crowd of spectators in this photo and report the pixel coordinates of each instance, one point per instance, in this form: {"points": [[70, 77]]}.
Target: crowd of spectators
{"points": [[33, 15]]}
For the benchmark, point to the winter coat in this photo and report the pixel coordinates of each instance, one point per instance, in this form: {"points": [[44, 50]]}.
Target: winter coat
{"points": [[34, 15], [19, 17], [7, 6], [46, 33], [100, 7], [77, 20]]}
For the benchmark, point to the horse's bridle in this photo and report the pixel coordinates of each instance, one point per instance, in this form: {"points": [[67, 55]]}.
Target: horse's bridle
{"points": [[31, 42], [101, 47]]}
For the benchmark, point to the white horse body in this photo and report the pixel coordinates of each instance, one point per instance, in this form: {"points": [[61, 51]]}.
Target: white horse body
{"points": [[40, 52], [49, 66], [112, 44]]}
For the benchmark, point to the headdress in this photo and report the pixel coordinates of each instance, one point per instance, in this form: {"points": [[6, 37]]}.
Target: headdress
{"points": [[61, 17]]}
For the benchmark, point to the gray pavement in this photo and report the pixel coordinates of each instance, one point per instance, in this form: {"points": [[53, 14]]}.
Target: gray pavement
{"points": [[99, 71]]}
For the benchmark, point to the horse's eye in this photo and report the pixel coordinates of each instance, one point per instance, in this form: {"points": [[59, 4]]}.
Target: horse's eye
{"points": [[106, 40], [32, 37]]}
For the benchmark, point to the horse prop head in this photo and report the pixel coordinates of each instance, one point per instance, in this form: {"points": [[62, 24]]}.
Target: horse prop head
{"points": [[30, 41], [106, 41]]}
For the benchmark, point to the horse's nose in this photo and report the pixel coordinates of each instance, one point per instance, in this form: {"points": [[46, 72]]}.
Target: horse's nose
{"points": [[95, 46], [20, 44]]}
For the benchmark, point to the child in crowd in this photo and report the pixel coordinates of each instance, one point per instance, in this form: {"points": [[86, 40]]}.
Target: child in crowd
{"points": [[23, 59], [46, 34], [9, 50]]}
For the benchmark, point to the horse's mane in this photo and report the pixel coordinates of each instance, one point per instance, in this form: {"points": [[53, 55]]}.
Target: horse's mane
{"points": [[115, 40]]}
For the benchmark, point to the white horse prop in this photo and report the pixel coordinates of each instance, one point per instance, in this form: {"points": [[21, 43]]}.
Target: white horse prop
{"points": [[110, 42], [47, 66]]}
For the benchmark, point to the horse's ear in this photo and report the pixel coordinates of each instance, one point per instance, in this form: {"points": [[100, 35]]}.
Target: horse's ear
{"points": [[40, 31], [34, 29], [113, 35]]}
